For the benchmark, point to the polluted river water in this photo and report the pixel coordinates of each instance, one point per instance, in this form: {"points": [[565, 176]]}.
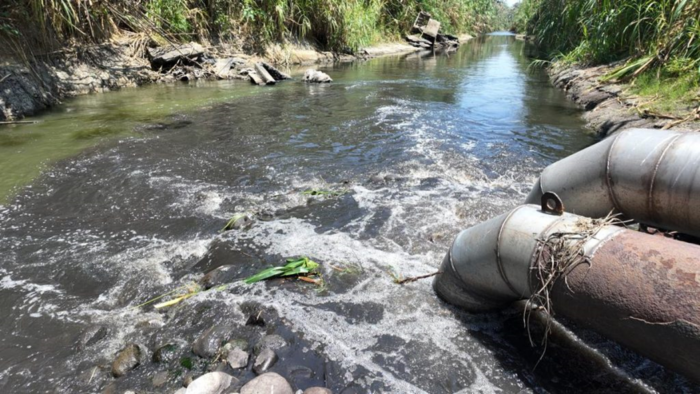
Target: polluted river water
{"points": [[114, 199]]}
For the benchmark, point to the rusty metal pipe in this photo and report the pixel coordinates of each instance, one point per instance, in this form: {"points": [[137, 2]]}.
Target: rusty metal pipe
{"points": [[640, 290], [650, 176]]}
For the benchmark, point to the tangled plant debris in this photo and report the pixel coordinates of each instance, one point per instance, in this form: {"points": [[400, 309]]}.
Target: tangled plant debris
{"points": [[556, 257], [303, 268]]}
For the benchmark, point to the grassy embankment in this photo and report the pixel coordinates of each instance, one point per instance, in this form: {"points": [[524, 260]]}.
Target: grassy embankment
{"points": [[656, 42], [338, 25]]}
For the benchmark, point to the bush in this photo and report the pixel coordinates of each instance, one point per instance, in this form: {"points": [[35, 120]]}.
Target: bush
{"points": [[344, 25]]}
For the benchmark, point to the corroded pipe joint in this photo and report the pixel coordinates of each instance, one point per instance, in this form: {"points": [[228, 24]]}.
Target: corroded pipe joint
{"points": [[650, 176], [638, 289], [489, 265]]}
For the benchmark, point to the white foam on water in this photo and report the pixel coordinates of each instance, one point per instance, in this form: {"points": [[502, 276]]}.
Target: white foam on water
{"points": [[6, 282], [410, 312]]}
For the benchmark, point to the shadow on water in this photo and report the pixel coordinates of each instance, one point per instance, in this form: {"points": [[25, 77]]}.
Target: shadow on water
{"points": [[422, 146]]}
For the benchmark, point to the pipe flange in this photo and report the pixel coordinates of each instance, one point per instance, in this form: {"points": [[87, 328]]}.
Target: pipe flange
{"points": [[552, 204]]}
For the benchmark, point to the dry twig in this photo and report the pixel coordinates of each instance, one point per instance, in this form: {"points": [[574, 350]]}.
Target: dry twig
{"points": [[401, 281]]}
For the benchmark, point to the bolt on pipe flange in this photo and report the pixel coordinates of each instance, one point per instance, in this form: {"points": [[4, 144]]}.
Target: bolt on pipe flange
{"points": [[552, 204]]}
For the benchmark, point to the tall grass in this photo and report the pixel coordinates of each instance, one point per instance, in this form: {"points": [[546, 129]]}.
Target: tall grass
{"points": [[659, 36], [331, 24]]}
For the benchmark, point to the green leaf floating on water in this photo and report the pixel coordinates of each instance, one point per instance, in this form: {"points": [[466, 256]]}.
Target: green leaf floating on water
{"points": [[300, 266]]}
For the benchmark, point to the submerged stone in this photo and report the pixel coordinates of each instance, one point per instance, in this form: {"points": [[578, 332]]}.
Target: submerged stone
{"points": [[238, 343], [264, 361], [165, 353], [272, 342], [91, 336], [219, 276], [207, 345], [126, 360], [160, 379]]}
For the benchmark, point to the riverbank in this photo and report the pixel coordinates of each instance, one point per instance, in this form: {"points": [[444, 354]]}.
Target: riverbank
{"points": [[612, 107], [29, 87]]}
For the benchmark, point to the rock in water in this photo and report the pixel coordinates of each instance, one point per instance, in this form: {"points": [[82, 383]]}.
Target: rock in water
{"points": [[165, 353], [316, 76], [160, 379], [272, 342], [237, 358], [127, 359], [210, 383], [317, 390], [267, 383], [91, 336], [220, 276], [207, 345], [264, 361]]}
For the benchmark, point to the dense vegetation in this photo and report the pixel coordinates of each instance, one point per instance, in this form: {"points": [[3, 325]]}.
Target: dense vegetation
{"points": [[657, 40], [330, 24]]}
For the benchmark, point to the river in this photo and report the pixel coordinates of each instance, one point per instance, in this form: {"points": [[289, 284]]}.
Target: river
{"points": [[114, 199]]}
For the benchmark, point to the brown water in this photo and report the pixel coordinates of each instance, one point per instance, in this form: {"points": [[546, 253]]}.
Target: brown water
{"points": [[116, 198]]}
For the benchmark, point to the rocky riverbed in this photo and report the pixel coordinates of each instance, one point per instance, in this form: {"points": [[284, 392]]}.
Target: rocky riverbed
{"points": [[31, 86]]}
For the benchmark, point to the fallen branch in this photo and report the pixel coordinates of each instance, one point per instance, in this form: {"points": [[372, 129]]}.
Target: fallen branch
{"points": [[694, 115]]}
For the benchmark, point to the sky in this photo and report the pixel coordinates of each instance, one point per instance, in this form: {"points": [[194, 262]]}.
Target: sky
{"points": [[511, 2]]}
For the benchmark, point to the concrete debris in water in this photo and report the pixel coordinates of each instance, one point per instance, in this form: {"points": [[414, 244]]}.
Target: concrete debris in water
{"points": [[191, 61], [425, 33], [168, 56], [264, 74], [315, 76]]}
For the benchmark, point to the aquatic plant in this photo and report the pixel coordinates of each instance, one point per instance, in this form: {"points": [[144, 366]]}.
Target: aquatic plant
{"points": [[301, 266]]}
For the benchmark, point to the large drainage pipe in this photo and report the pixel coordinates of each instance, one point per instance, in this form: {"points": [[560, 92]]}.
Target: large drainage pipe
{"points": [[640, 290], [650, 176]]}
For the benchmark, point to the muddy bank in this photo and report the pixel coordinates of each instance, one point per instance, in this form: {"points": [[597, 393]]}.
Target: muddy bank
{"points": [[608, 108], [26, 88]]}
